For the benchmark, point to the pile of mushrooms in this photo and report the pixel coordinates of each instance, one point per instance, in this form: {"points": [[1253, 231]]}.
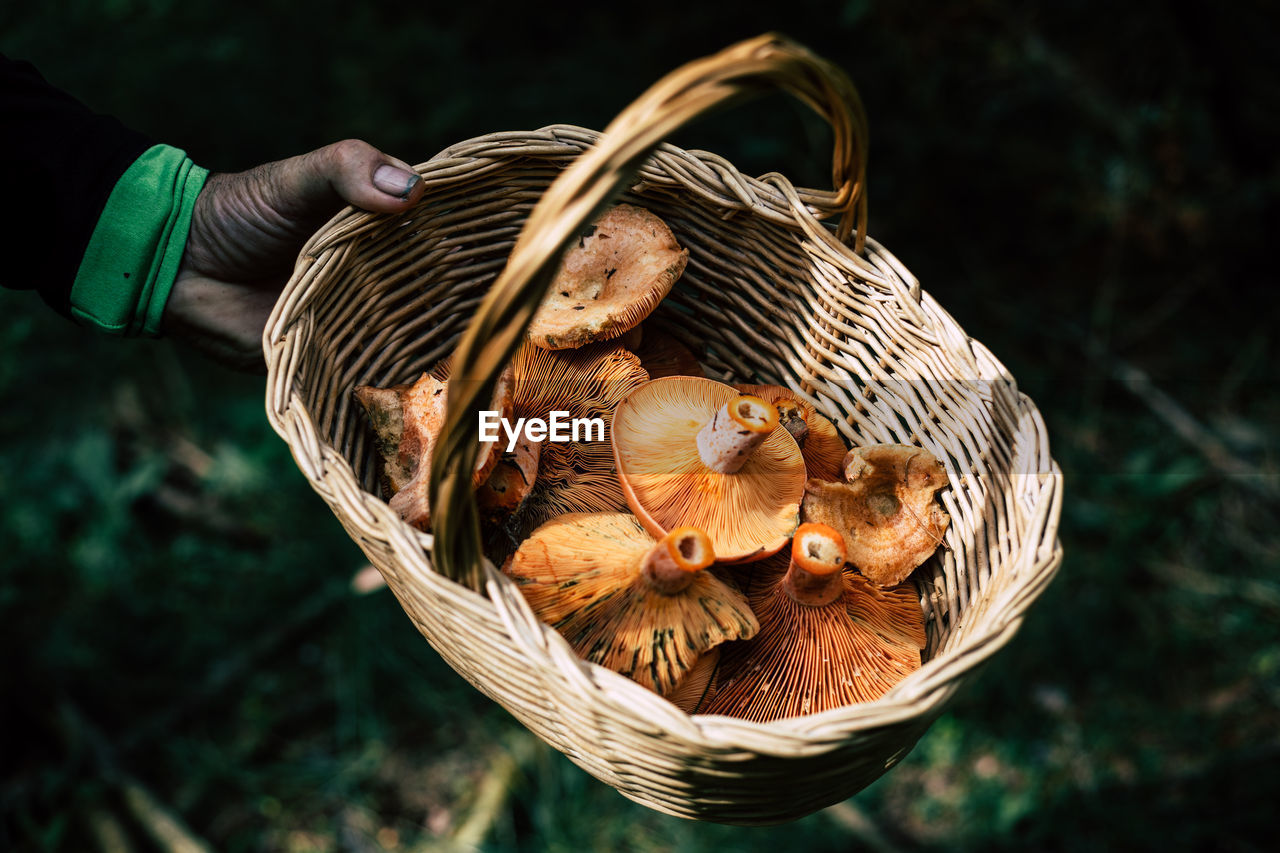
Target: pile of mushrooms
{"points": [[720, 544]]}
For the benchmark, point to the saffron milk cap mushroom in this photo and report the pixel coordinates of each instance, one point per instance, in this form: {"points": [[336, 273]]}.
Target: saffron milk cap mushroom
{"points": [[820, 443], [693, 451], [586, 383], [641, 606], [827, 639], [407, 420], [510, 481], [620, 269], [886, 510]]}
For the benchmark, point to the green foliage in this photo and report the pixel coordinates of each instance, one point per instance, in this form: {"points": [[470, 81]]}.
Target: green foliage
{"points": [[1079, 184]]}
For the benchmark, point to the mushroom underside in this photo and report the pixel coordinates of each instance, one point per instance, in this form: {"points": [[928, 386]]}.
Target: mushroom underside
{"points": [[748, 514], [620, 269]]}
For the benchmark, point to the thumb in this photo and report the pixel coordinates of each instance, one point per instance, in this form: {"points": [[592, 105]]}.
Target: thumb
{"points": [[360, 175]]}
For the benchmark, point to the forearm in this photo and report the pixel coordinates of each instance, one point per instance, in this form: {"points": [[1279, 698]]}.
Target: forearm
{"points": [[63, 161], [128, 267], [126, 236]]}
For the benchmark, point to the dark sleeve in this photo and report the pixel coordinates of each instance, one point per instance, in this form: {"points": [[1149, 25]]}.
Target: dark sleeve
{"points": [[62, 162]]}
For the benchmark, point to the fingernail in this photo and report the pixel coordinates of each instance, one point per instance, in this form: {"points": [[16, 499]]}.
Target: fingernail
{"points": [[394, 181]]}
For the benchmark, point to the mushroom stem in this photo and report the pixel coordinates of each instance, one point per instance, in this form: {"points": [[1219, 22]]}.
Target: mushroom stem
{"points": [[815, 576], [726, 442], [671, 564]]}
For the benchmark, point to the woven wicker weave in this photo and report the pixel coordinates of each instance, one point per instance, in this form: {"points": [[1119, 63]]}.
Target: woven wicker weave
{"points": [[769, 295]]}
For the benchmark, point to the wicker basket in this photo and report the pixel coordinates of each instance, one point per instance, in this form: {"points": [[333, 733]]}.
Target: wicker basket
{"points": [[771, 295]]}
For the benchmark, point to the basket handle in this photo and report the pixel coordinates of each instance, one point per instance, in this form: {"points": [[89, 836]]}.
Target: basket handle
{"points": [[576, 197]]}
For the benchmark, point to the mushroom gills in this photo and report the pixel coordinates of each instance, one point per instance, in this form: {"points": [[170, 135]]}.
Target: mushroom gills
{"points": [[662, 468], [827, 638], [586, 383], [643, 607]]}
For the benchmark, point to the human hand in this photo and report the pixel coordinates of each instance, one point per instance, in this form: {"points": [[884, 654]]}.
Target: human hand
{"points": [[247, 229]]}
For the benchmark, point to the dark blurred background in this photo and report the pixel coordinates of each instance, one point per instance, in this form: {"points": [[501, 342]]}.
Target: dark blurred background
{"points": [[1090, 189]]}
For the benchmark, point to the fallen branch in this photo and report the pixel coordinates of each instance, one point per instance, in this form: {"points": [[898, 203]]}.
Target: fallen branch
{"points": [[1184, 424], [164, 827], [494, 790], [859, 824], [107, 831]]}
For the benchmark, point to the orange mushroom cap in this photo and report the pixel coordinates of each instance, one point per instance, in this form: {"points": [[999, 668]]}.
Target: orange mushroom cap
{"points": [[620, 270], [591, 577], [886, 511], [407, 420], [811, 657]]}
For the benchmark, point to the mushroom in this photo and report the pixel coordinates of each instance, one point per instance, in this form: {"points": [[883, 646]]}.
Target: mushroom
{"points": [[399, 443], [621, 268], [575, 476], [820, 443], [642, 607], [693, 451], [826, 639], [407, 420], [886, 509], [510, 482]]}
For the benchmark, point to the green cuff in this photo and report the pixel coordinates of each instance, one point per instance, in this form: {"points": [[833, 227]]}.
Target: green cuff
{"points": [[133, 255]]}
